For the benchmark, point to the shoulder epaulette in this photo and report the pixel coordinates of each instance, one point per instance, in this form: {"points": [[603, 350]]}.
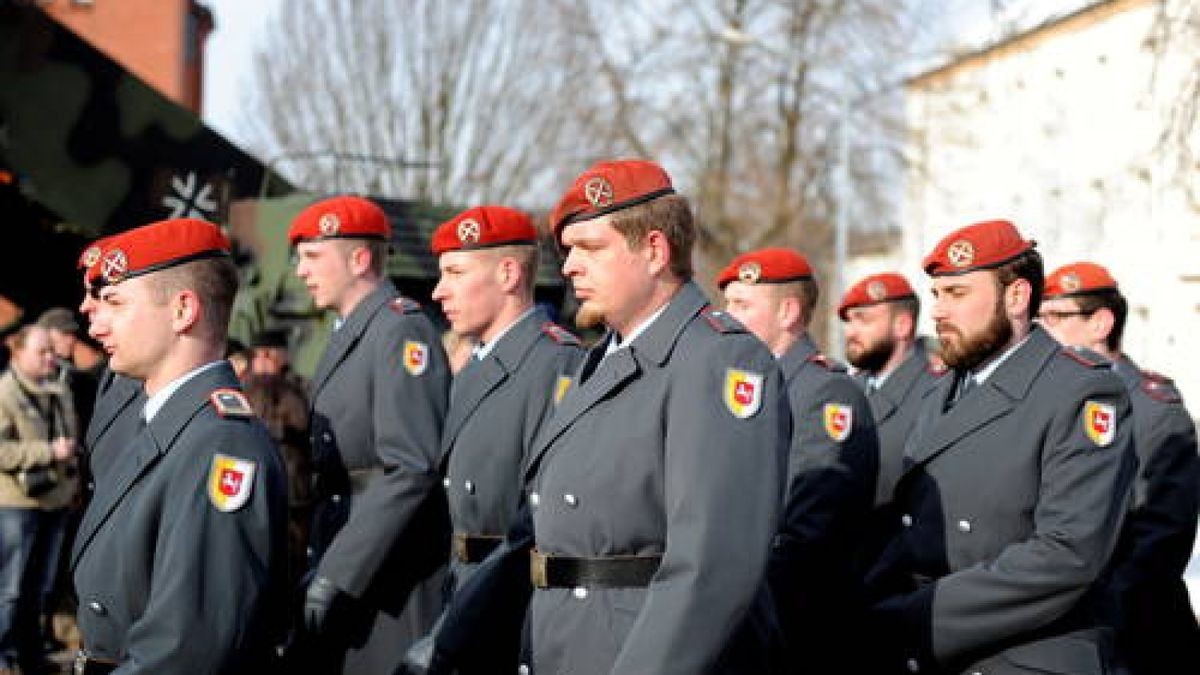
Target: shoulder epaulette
{"points": [[559, 334], [1085, 356], [1160, 387], [230, 403], [403, 305], [721, 321], [827, 363]]}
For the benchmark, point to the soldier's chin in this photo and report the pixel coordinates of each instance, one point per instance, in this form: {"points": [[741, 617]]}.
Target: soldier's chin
{"points": [[588, 316]]}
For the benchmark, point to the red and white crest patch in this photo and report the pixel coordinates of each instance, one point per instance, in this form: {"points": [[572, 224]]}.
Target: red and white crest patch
{"points": [[743, 392], [1100, 422], [230, 482], [839, 419], [416, 357]]}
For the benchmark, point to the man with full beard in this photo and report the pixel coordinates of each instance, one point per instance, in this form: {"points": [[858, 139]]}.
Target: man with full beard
{"points": [[832, 463], [1015, 482], [880, 315]]}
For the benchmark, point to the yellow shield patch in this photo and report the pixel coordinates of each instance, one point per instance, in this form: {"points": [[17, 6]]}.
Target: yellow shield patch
{"points": [[1100, 422], [743, 392], [560, 389], [839, 419], [230, 482], [416, 357]]}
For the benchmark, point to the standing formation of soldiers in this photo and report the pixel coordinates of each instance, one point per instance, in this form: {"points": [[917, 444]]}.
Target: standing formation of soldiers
{"points": [[699, 491]]}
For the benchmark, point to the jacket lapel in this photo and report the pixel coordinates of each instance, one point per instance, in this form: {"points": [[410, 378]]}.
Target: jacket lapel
{"points": [[150, 445], [618, 368], [342, 340], [995, 398], [885, 401], [116, 394]]}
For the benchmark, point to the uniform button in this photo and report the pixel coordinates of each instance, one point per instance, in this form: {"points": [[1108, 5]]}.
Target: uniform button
{"points": [[446, 483], [580, 593], [336, 499], [470, 487], [327, 437], [913, 666], [308, 551], [906, 520], [571, 500], [97, 608], [523, 669], [534, 499], [91, 486], [964, 526]]}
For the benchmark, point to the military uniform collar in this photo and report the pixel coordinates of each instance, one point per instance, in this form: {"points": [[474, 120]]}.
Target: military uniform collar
{"points": [[659, 337], [1128, 371], [155, 402], [798, 354], [356, 322], [482, 349], [511, 346], [189, 399], [1014, 372]]}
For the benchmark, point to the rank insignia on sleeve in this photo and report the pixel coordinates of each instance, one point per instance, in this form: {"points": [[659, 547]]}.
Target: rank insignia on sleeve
{"points": [[839, 419], [743, 392], [560, 388], [416, 357], [231, 403], [1100, 422], [230, 482]]}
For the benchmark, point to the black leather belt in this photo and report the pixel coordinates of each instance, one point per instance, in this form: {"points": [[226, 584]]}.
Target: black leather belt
{"points": [[473, 548], [620, 571], [86, 664]]}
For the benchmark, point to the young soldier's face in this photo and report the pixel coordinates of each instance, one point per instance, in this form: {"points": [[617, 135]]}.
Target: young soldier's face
{"points": [[324, 267], [756, 306], [470, 291], [613, 282], [132, 322]]}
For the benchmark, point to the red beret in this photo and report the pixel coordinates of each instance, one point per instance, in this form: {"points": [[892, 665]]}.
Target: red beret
{"points": [[344, 217], [766, 266], [607, 187], [976, 247], [484, 227], [1077, 279], [91, 254], [154, 247], [875, 289]]}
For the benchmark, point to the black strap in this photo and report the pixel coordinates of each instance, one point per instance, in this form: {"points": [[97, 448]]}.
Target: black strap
{"points": [[474, 548], [633, 571]]}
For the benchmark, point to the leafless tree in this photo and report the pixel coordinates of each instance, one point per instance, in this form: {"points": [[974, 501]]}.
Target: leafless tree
{"points": [[1176, 42]]}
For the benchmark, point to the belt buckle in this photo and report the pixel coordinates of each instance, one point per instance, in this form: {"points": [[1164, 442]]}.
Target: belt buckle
{"points": [[79, 665], [537, 569], [460, 546]]}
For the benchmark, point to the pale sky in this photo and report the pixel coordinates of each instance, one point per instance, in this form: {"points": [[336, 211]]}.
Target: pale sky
{"points": [[239, 24]]}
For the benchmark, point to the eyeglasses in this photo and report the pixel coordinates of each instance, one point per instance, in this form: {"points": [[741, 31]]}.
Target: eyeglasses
{"points": [[1052, 317]]}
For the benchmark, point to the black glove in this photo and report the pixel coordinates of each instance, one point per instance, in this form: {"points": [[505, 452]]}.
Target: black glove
{"points": [[320, 602]]}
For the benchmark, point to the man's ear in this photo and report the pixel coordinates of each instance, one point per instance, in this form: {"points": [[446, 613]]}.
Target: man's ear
{"points": [[657, 250], [186, 310]]}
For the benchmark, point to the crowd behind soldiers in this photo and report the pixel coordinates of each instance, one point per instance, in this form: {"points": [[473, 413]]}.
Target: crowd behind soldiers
{"points": [[699, 491]]}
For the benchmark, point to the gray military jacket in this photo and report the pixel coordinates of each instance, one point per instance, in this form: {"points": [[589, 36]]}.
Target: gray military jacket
{"points": [[674, 445], [1007, 512], [114, 423], [894, 405], [378, 402], [497, 405], [168, 580]]}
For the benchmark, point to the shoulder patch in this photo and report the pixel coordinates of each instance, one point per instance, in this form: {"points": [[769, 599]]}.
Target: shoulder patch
{"points": [[827, 363], [559, 334], [743, 392], [1100, 422], [1160, 387], [231, 403], [230, 482], [1087, 357], [403, 305], [839, 421], [722, 321], [416, 357]]}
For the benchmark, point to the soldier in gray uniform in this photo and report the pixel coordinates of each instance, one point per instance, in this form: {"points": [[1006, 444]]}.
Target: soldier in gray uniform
{"points": [[880, 315], [1015, 483], [1147, 600], [380, 532], [522, 362], [832, 465], [180, 559], [656, 485]]}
